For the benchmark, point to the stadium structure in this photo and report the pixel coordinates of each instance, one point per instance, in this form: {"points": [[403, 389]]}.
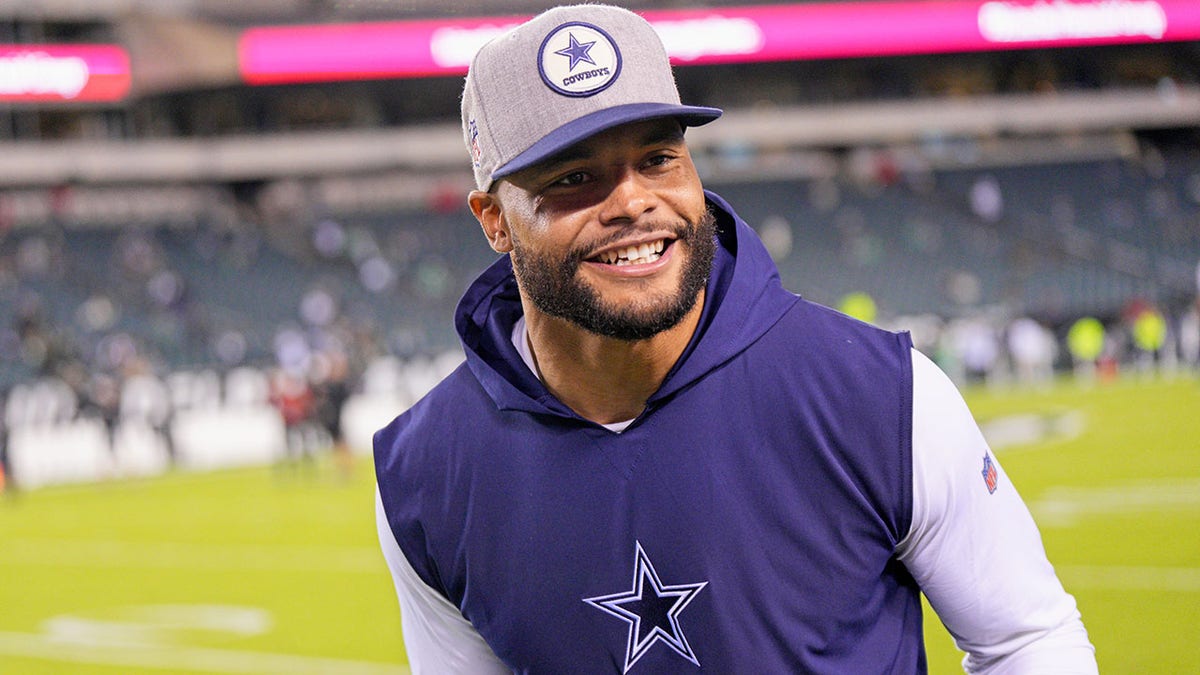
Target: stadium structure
{"points": [[251, 215]]}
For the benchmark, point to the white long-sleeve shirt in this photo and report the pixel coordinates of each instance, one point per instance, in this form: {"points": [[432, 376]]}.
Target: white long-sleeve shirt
{"points": [[978, 557]]}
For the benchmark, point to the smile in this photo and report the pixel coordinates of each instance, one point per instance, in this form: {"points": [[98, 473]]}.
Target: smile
{"points": [[639, 254]]}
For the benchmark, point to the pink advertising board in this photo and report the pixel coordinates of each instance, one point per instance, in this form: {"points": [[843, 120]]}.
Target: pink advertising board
{"points": [[63, 73], [281, 54]]}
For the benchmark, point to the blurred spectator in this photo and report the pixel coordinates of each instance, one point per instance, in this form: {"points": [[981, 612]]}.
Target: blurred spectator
{"points": [[5, 470], [331, 389], [987, 199], [100, 398], [294, 399], [1149, 332], [1086, 343], [1032, 348], [859, 305], [978, 347], [1189, 336], [145, 399]]}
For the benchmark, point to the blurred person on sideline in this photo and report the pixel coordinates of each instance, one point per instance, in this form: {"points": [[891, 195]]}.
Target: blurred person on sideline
{"points": [[146, 399], [1032, 349], [331, 390], [1086, 341], [1189, 335], [1148, 329], [100, 398], [657, 460], [291, 394], [5, 471]]}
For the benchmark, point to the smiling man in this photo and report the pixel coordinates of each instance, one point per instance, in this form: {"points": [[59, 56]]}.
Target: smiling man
{"points": [[611, 244], [657, 460]]}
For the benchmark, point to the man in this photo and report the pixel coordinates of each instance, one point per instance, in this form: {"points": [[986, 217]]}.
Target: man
{"points": [[655, 459]]}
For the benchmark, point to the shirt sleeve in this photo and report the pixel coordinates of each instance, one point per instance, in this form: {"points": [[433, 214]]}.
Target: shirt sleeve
{"points": [[975, 551], [437, 638]]}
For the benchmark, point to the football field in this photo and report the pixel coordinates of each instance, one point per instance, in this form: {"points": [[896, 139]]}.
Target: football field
{"points": [[277, 570], [1111, 473]]}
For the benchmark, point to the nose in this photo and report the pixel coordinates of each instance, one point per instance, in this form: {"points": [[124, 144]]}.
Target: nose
{"points": [[628, 200]]}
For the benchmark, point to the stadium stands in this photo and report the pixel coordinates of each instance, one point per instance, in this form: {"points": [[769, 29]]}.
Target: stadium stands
{"points": [[1051, 240]]}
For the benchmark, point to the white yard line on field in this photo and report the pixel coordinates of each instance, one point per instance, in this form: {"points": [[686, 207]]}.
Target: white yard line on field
{"points": [[185, 659], [192, 556], [1121, 578], [1063, 506]]}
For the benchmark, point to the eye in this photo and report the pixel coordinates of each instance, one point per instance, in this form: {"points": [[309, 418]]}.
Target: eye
{"points": [[571, 179], [660, 159]]}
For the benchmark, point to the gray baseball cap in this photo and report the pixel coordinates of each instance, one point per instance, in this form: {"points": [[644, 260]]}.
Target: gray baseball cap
{"points": [[561, 77]]}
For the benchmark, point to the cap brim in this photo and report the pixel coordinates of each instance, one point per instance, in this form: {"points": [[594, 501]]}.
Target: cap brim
{"points": [[579, 129]]}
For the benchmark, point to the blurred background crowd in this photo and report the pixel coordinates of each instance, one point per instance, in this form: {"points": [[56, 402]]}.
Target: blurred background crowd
{"points": [[203, 241]]}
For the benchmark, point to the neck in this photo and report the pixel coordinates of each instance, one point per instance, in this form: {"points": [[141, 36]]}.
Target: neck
{"points": [[603, 379]]}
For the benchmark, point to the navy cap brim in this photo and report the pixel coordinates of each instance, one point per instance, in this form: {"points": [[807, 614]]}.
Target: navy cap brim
{"points": [[589, 125]]}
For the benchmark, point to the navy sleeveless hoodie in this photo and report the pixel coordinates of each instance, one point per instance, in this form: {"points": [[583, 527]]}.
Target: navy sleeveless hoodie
{"points": [[746, 522]]}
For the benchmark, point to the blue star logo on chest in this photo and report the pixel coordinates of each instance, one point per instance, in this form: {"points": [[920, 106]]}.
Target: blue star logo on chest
{"points": [[577, 51], [651, 609]]}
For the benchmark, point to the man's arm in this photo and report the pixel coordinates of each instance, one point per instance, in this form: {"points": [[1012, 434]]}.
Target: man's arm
{"points": [[975, 551], [437, 638]]}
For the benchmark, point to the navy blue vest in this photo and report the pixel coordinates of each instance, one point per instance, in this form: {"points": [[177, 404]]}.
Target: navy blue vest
{"points": [[745, 523]]}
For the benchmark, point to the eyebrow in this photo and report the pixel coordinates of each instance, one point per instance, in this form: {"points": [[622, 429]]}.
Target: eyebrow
{"points": [[584, 150]]}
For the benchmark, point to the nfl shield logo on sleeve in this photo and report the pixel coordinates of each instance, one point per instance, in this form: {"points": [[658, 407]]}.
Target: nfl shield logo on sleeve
{"points": [[990, 477]]}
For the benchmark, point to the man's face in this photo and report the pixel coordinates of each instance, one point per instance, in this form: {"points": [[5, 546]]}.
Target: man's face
{"points": [[612, 234]]}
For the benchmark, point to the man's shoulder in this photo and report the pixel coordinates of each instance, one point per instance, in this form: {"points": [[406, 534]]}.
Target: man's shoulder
{"points": [[811, 320], [452, 406], [835, 352]]}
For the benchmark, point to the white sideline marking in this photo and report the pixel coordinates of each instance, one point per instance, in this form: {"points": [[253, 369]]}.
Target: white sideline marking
{"points": [[194, 659], [1062, 506], [1171, 579], [149, 625], [108, 553]]}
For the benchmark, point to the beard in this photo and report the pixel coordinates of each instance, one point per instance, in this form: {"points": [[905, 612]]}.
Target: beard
{"points": [[554, 286]]}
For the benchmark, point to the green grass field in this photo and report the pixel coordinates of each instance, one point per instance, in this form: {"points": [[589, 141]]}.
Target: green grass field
{"points": [[269, 571]]}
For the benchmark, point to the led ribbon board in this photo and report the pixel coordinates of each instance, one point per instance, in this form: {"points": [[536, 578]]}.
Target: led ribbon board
{"points": [[283, 54], [63, 73]]}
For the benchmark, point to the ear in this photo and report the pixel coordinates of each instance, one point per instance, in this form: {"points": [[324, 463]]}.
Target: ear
{"points": [[489, 213]]}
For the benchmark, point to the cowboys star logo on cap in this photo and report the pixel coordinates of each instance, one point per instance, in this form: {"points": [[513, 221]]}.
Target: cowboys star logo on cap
{"points": [[579, 59]]}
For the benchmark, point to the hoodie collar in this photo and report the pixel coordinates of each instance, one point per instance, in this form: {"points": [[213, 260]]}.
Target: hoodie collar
{"points": [[743, 300]]}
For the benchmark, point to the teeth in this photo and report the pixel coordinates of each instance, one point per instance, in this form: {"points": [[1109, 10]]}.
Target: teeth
{"points": [[634, 255]]}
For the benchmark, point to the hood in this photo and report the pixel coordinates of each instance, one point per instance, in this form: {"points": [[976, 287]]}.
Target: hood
{"points": [[744, 299]]}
